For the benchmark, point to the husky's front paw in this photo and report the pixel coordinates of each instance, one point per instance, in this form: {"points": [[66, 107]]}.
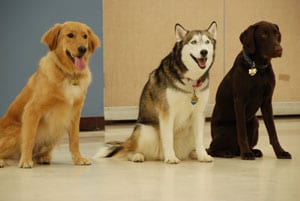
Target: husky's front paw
{"points": [[172, 160], [204, 157], [137, 157], [81, 161]]}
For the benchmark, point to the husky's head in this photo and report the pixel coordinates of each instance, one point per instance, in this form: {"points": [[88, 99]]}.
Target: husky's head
{"points": [[197, 49]]}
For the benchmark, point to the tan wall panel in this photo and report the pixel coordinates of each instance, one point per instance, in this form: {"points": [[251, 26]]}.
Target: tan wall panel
{"points": [[240, 14], [138, 34]]}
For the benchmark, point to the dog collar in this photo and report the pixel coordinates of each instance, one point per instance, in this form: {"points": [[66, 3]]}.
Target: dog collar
{"points": [[197, 84], [253, 66], [74, 78]]}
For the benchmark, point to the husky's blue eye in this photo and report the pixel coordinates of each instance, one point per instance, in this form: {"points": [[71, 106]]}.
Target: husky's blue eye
{"points": [[207, 42], [193, 42]]}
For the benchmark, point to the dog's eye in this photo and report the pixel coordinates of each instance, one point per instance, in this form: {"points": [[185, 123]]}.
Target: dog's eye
{"points": [[193, 42], [278, 37], [264, 36], [207, 42], [85, 36], [70, 35]]}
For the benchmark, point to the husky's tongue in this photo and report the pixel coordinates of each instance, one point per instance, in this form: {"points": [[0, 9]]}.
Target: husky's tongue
{"points": [[79, 63], [202, 62]]}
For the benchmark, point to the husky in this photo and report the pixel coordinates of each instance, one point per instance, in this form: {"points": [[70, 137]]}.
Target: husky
{"points": [[171, 116]]}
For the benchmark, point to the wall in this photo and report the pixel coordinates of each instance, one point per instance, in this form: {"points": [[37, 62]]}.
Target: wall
{"points": [[139, 33], [22, 25]]}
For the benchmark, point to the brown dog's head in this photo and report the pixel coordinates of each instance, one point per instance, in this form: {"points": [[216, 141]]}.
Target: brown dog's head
{"points": [[263, 39], [72, 43]]}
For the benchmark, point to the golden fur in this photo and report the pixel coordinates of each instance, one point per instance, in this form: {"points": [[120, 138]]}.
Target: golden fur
{"points": [[50, 104]]}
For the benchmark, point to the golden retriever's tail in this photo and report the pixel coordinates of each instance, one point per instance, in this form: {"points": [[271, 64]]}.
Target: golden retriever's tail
{"points": [[109, 150]]}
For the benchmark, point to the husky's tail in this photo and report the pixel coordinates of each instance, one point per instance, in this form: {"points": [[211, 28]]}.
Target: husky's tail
{"points": [[109, 150]]}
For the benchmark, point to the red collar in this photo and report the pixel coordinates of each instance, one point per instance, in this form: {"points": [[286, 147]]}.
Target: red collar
{"points": [[198, 83]]}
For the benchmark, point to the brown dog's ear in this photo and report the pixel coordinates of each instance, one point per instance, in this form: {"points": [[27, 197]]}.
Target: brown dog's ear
{"points": [[94, 41], [277, 27], [247, 39], [50, 38]]}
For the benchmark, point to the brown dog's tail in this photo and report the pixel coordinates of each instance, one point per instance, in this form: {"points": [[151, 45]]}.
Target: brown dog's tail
{"points": [[109, 150]]}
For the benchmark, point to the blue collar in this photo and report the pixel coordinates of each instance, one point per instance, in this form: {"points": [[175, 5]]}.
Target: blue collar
{"points": [[252, 63]]}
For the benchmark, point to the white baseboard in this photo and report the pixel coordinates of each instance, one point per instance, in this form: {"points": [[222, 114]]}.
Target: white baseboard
{"points": [[131, 112], [121, 113]]}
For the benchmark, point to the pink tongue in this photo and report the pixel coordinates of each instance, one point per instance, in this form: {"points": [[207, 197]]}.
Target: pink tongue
{"points": [[202, 63], [79, 63]]}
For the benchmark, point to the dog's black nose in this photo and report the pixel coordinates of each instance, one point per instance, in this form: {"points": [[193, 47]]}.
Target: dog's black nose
{"points": [[203, 53], [81, 50]]}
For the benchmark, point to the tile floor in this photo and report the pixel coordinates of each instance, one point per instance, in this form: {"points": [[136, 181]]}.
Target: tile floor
{"points": [[265, 179]]}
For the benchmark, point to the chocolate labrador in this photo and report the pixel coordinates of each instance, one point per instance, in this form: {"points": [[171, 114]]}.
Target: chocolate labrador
{"points": [[248, 86]]}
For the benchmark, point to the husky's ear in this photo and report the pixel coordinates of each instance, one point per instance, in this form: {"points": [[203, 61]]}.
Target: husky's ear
{"points": [[180, 32], [247, 39], [213, 29]]}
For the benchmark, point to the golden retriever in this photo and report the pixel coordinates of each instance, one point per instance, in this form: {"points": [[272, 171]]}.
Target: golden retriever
{"points": [[50, 104]]}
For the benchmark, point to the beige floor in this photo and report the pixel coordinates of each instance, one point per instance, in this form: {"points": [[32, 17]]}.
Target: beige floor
{"points": [[110, 179]]}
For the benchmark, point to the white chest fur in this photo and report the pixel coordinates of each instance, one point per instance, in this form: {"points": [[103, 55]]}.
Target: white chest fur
{"points": [[58, 119], [72, 92], [181, 108]]}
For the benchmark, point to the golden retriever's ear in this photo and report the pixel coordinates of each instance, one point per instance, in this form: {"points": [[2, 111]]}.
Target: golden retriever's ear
{"points": [[50, 38], [94, 41]]}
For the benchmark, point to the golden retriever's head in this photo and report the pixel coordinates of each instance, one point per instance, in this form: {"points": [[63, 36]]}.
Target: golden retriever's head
{"points": [[72, 43]]}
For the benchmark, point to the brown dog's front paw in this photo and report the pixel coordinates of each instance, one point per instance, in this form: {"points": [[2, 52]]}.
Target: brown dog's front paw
{"points": [[257, 153], [248, 156], [82, 161], [284, 155], [26, 164]]}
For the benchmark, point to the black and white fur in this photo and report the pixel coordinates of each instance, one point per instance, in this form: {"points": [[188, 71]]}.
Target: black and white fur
{"points": [[169, 126]]}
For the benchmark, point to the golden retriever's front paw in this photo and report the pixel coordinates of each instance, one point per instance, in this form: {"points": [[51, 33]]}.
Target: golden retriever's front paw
{"points": [[26, 164], [2, 163], [44, 160], [81, 161]]}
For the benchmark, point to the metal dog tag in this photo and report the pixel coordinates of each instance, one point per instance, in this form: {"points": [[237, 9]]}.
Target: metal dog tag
{"points": [[194, 98], [75, 79], [252, 71], [75, 82]]}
